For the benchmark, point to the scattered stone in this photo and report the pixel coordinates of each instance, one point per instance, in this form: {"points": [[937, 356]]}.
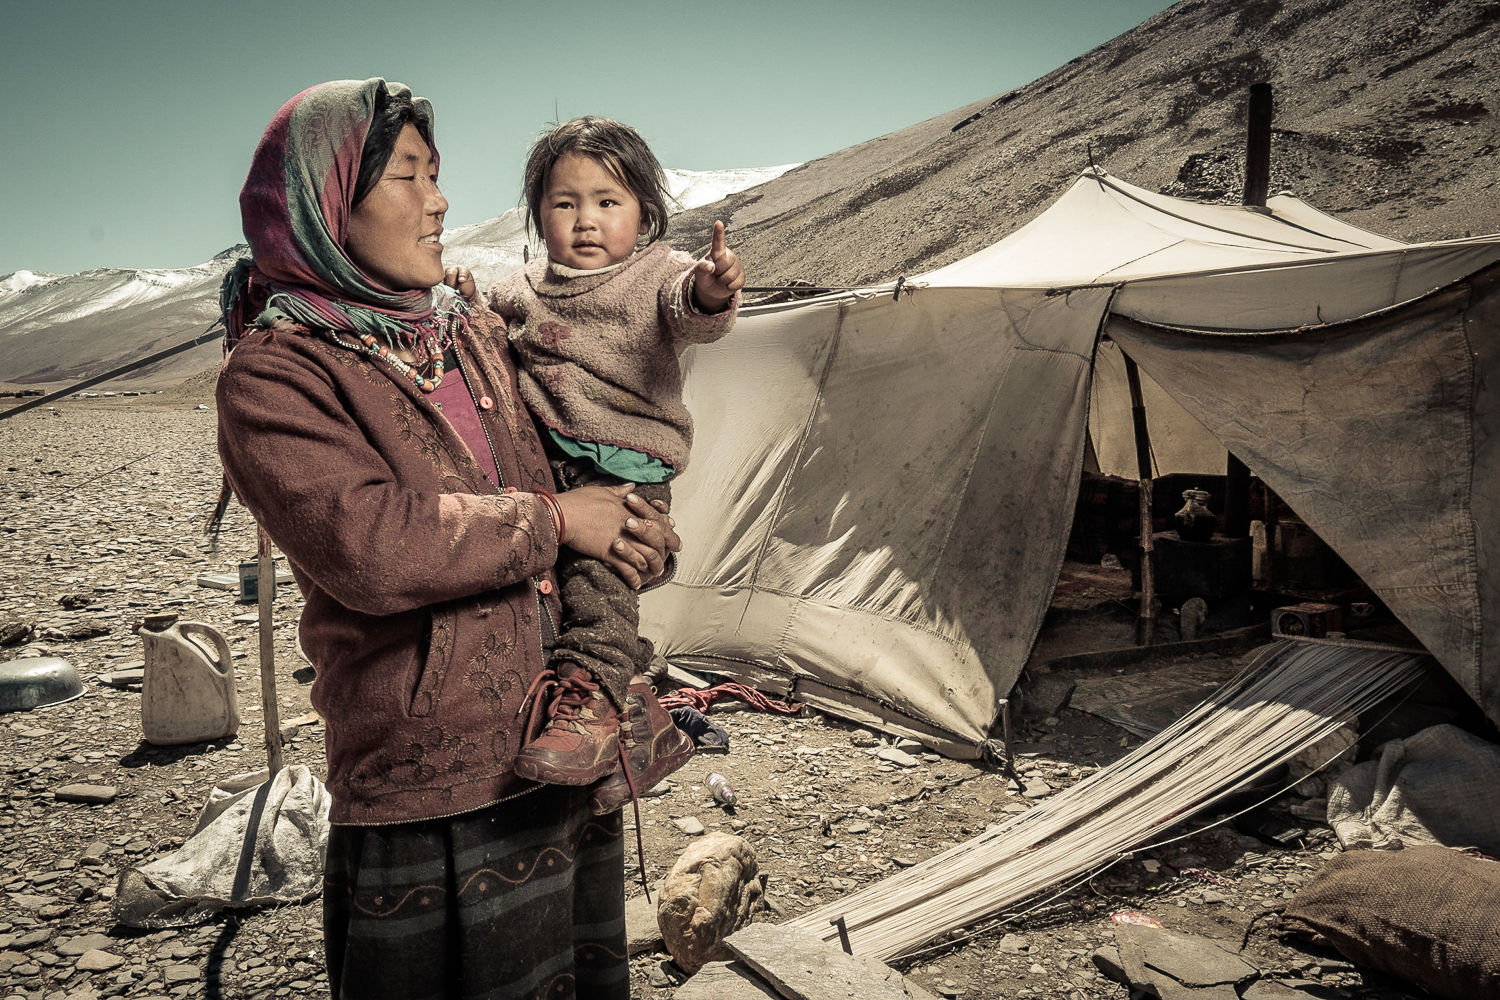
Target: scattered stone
{"points": [[31, 901], [95, 960], [725, 981], [864, 739], [83, 630], [125, 677], [33, 938], [800, 965], [88, 942], [642, 932], [1013, 944], [710, 892], [1107, 961], [661, 976], [892, 755], [175, 974], [90, 794], [689, 825], [1173, 965], [15, 632], [1036, 789]]}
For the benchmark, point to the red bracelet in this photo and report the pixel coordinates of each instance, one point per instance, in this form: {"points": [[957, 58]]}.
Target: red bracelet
{"points": [[558, 521]]}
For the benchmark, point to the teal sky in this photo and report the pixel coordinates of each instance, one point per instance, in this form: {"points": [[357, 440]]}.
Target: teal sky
{"points": [[128, 126]]}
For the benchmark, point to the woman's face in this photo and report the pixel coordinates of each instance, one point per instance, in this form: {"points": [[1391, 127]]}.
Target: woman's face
{"points": [[393, 234], [589, 219]]}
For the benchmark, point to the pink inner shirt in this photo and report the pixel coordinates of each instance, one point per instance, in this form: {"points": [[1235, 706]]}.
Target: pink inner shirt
{"points": [[453, 400]]}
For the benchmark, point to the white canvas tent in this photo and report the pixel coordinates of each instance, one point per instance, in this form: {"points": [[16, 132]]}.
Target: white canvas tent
{"points": [[882, 486]]}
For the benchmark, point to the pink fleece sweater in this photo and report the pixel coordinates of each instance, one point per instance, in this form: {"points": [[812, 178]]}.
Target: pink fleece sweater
{"points": [[599, 354]]}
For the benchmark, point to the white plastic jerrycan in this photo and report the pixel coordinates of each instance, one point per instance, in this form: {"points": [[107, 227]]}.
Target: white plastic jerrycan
{"points": [[187, 692]]}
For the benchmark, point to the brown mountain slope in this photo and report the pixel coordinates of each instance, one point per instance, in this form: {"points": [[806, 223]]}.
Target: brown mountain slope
{"points": [[1386, 115]]}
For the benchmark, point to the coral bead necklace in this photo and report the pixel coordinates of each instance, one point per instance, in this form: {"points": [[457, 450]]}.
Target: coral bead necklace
{"points": [[374, 348]]}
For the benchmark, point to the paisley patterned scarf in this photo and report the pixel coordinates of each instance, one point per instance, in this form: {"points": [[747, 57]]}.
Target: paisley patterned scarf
{"points": [[295, 209]]}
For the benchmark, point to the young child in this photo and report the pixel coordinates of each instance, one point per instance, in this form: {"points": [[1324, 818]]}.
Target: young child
{"points": [[597, 327]]}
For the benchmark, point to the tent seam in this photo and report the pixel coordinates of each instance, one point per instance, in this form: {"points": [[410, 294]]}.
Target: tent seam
{"points": [[781, 490]]}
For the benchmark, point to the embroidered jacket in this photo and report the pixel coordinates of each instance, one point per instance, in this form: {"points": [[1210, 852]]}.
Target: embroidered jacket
{"points": [[599, 353], [424, 606]]}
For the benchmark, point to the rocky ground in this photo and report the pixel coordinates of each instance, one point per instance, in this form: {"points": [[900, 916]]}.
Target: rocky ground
{"points": [[101, 506]]}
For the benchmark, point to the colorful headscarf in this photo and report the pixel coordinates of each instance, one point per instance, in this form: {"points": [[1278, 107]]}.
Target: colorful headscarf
{"points": [[295, 209]]}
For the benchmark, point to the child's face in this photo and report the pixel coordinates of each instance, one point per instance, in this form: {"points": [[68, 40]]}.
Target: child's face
{"points": [[589, 219]]}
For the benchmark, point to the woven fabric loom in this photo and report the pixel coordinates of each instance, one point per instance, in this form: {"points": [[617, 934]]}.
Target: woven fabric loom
{"points": [[1291, 695]]}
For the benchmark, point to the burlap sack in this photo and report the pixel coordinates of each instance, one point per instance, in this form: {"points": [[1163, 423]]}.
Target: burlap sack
{"points": [[1426, 914]]}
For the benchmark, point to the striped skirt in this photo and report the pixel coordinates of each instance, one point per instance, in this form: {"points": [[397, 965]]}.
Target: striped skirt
{"points": [[524, 899]]}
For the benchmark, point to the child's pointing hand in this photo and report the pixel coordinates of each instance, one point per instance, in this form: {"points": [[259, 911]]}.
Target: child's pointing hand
{"points": [[718, 276]]}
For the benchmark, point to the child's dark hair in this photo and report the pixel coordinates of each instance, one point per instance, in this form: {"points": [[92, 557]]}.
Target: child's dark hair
{"points": [[621, 151]]}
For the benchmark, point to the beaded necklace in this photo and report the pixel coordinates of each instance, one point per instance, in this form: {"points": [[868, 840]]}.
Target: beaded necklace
{"points": [[375, 349]]}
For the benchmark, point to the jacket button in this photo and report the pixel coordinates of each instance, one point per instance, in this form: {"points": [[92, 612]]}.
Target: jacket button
{"points": [[545, 586], [486, 403]]}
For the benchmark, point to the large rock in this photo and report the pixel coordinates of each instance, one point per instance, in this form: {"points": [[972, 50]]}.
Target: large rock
{"points": [[709, 894]]}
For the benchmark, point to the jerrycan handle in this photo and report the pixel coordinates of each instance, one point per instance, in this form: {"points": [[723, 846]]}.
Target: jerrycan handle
{"points": [[221, 663]]}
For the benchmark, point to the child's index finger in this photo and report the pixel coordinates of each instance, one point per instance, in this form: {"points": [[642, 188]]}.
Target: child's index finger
{"points": [[718, 247]]}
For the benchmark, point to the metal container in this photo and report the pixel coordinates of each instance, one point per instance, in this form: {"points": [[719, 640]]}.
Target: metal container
{"points": [[36, 682]]}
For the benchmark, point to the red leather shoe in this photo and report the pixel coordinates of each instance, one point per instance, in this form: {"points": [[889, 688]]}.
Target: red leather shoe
{"points": [[653, 748], [580, 742]]}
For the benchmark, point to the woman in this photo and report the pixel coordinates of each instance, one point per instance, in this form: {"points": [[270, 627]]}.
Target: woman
{"points": [[369, 419]]}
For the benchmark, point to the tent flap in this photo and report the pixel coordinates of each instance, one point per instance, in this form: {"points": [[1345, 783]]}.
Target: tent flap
{"points": [[880, 496]]}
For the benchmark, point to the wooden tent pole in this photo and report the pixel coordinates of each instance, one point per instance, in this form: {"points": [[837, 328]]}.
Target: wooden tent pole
{"points": [[1145, 624], [1257, 183], [1258, 146], [265, 595]]}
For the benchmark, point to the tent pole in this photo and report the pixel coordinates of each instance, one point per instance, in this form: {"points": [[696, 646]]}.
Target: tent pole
{"points": [[265, 587], [1257, 182], [1258, 146], [1145, 624]]}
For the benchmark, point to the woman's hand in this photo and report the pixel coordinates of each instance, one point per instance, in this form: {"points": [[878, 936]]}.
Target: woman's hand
{"points": [[616, 526], [461, 280]]}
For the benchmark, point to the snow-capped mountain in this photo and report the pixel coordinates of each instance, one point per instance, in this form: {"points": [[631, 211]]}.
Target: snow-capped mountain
{"points": [[60, 328]]}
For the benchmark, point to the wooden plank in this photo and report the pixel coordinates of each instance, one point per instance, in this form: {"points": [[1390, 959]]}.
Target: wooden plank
{"points": [[725, 981], [802, 967]]}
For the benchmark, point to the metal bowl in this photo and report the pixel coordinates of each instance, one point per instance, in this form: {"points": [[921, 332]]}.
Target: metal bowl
{"points": [[36, 682]]}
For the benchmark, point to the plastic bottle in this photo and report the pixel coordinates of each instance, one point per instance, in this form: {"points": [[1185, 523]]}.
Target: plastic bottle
{"points": [[187, 692], [719, 785]]}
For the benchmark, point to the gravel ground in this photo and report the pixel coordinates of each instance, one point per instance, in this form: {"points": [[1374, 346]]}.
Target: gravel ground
{"points": [[102, 502]]}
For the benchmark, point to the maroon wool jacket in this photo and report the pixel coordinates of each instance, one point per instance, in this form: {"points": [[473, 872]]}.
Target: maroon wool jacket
{"points": [[423, 582]]}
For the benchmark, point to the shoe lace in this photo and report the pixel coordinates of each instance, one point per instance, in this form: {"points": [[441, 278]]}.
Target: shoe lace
{"points": [[557, 697], [565, 698], [635, 805]]}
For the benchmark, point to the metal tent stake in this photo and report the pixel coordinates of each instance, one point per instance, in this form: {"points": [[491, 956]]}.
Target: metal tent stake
{"points": [[265, 594]]}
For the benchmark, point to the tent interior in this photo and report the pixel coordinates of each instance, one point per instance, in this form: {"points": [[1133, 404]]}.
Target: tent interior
{"points": [[884, 482]]}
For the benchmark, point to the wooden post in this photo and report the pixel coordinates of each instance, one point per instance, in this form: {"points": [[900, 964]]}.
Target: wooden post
{"points": [[1257, 182], [1145, 624], [1258, 146], [265, 594]]}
